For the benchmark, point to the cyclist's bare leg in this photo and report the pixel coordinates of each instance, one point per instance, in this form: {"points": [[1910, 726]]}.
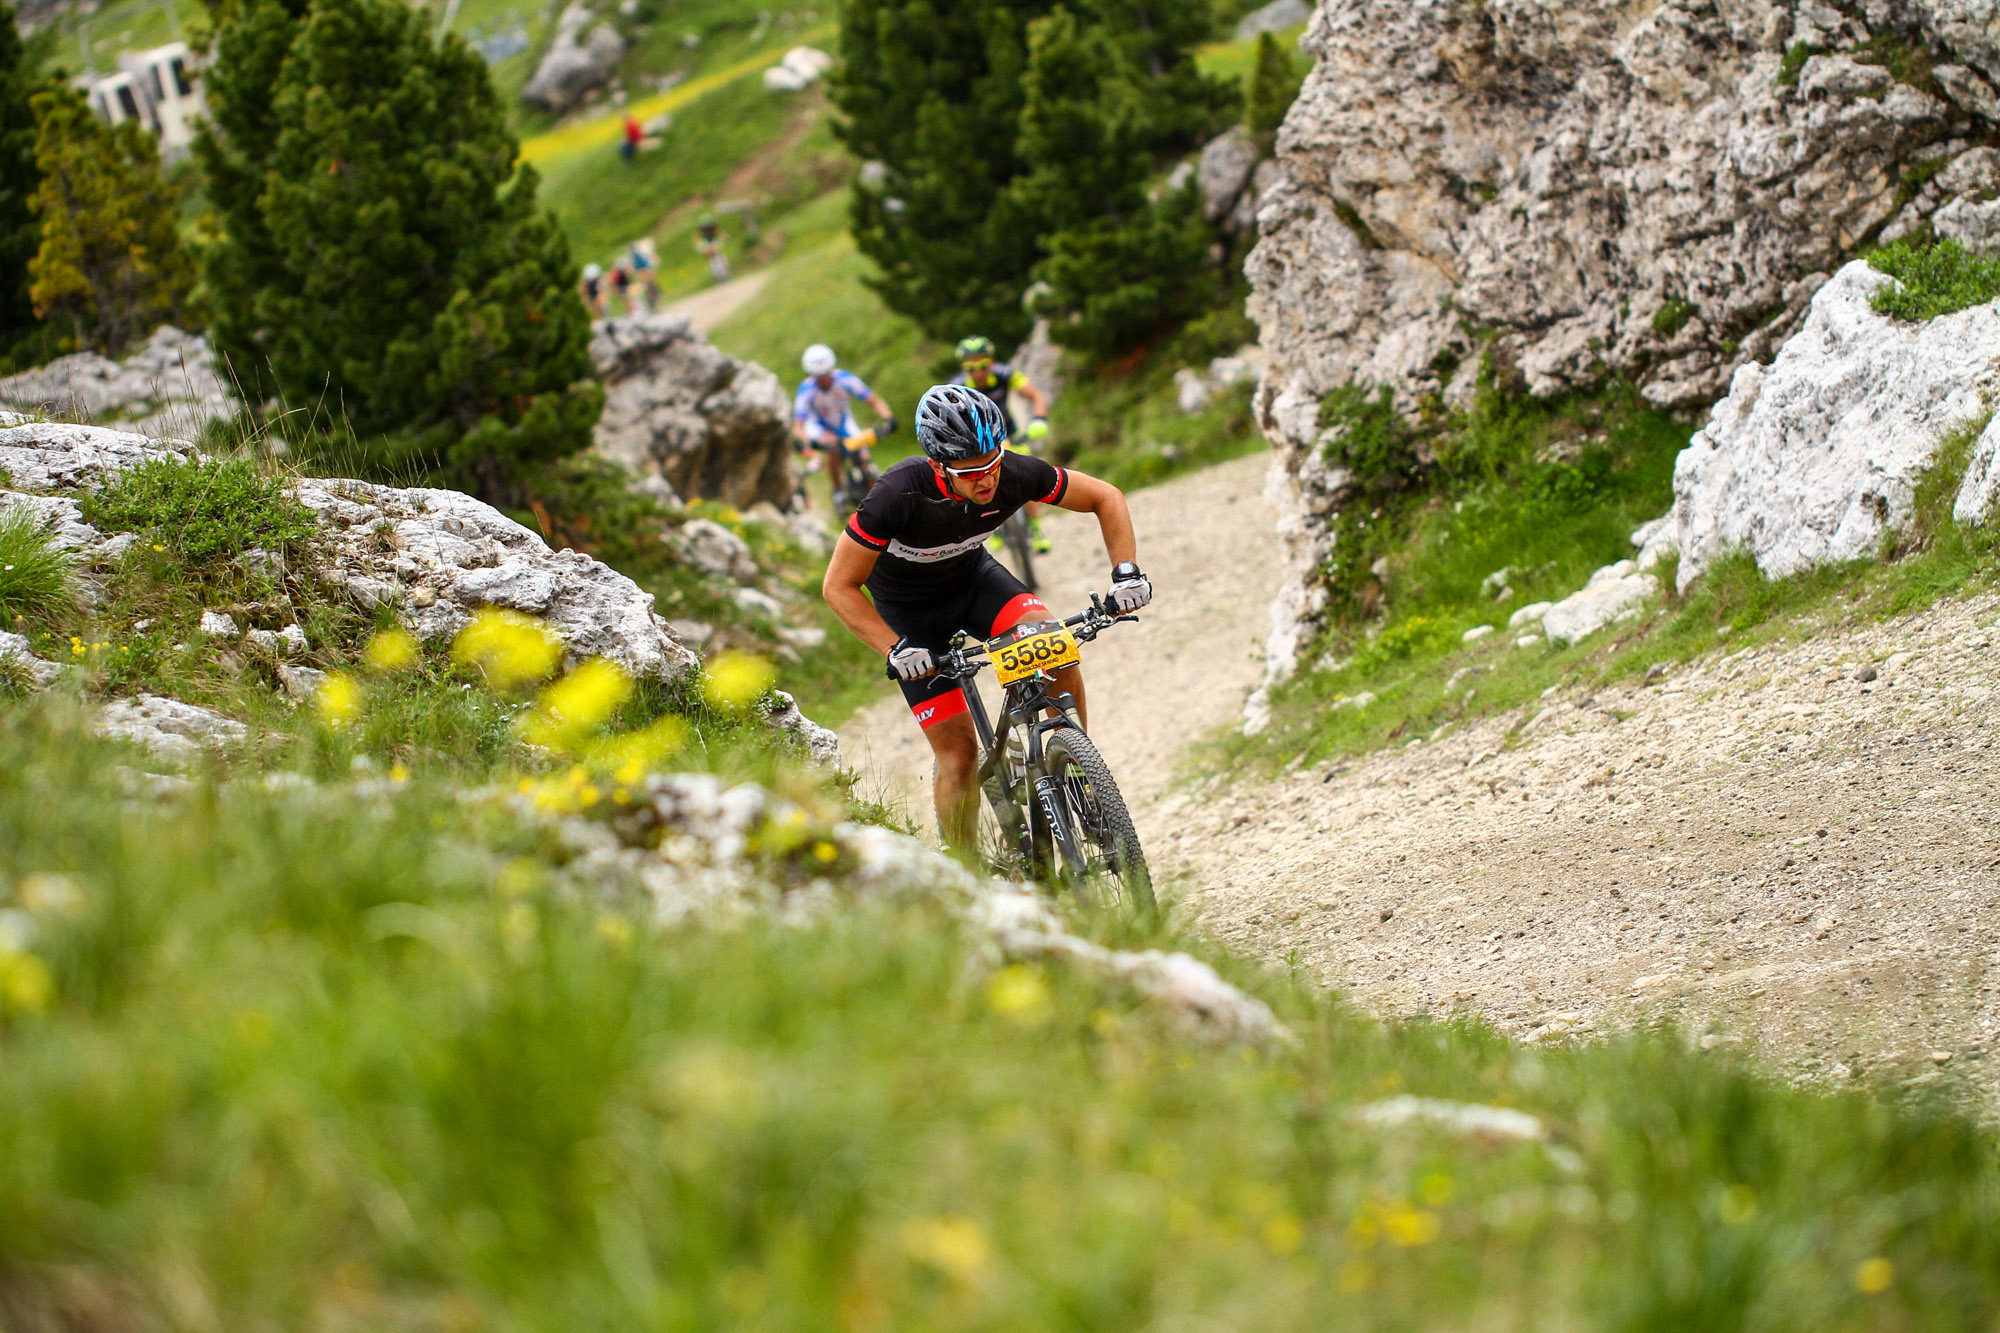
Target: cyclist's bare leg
{"points": [[955, 747], [1070, 679]]}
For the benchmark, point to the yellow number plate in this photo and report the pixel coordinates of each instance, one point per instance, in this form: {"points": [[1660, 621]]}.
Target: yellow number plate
{"points": [[1045, 648]]}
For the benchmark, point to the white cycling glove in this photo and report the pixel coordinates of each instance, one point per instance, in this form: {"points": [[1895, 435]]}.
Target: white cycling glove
{"points": [[910, 662], [1130, 589]]}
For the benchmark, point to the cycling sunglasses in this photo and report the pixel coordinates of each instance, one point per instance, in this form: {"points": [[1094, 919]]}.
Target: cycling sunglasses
{"points": [[977, 364], [979, 471]]}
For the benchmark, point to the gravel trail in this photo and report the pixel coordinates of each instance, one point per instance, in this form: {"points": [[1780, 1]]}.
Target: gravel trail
{"points": [[1759, 846]]}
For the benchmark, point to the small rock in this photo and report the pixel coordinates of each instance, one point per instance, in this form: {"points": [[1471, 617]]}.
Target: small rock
{"points": [[300, 682], [1656, 673], [716, 551], [1475, 634], [694, 633], [758, 603], [1532, 611], [168, 727], [218, 625], [1940, 1057], [1388, 912], [1528, 641], [1495, 584], [1866, 674], [1358, 701], [802, 636]]}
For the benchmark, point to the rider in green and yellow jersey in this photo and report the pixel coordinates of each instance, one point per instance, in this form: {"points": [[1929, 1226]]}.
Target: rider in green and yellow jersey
{"points": [[997, 379]]}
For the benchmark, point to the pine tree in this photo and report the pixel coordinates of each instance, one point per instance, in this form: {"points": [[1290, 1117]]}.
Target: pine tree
{"points": [[110, 265], [1272, 86], [932, 90], [1120, 264], [383, 256], [20, 234]]}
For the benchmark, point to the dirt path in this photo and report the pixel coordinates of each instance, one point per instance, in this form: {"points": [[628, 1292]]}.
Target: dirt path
{"points": [[1207, 541], [1762, 845], [706, 309]]}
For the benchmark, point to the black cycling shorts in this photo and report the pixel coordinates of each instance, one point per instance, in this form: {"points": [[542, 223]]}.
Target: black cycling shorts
{"points": [[990, 600]]}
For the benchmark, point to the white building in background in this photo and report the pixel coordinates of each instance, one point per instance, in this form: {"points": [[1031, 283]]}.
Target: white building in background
{"points": [[157, 88]]}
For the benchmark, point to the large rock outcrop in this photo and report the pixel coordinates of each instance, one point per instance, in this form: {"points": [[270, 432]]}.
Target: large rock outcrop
{"points": [[1811, 459], [170, 385], [433, 556], [1572, 189], [580, 59], [712, 426]]}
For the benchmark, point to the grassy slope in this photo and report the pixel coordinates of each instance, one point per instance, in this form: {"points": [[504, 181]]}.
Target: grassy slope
{"points": [[393, 1078], [1553, 523]]}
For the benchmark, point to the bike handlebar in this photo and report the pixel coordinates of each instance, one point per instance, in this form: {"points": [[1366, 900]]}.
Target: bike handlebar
{"points": [[960, 663]]}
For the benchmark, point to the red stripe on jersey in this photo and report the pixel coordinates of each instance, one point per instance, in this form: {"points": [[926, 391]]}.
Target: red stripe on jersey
{"points": [[1017, 610], [1062, 484], [855, 531], [933, 711]]}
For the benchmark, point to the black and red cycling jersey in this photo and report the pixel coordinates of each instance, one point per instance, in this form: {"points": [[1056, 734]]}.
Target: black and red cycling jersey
{"points": [[929, 540]]}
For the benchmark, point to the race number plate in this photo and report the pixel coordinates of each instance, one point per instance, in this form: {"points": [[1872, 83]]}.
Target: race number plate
{"points": [[1026, 649]]}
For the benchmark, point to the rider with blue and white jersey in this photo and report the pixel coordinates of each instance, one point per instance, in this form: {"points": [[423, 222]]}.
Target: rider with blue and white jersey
{"points": [[821, 413]]}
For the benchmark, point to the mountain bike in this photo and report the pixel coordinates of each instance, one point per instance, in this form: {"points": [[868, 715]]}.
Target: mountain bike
{"points": [[853, 472], [1052, 809], [1015, 533]]}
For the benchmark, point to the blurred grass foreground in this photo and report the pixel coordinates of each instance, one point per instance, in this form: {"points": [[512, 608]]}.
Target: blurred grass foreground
{"points": [[611, 1047]]}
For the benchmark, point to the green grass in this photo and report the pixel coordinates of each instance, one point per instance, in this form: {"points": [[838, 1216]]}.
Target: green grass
{"points": [[204, 512], [34, 573], [311, 1059], [1933, 280]]}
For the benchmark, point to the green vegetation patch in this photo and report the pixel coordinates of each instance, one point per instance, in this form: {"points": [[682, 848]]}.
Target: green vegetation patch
{"points": [[34, 573], [205, 510], [1795, 59], [1423, 678], [1933, 280], [1672, 317], [373, 1062]]}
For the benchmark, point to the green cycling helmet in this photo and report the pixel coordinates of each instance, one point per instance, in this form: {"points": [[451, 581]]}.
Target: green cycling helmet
{"points": [[975, 346]]}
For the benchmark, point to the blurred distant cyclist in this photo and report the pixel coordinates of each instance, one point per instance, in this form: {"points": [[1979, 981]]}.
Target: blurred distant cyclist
{"points": [[997, 379], [592, 290], [822, 415]]}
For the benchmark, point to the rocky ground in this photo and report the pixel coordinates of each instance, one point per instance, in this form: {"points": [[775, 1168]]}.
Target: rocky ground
{"points": [[1765, 846], [1762, 846]]}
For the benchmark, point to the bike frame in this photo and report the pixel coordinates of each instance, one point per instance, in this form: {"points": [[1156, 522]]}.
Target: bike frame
{"points": [[1026, 704]]}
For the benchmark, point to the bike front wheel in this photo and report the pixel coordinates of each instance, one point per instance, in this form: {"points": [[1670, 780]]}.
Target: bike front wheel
{"points": [[1103, 861]]}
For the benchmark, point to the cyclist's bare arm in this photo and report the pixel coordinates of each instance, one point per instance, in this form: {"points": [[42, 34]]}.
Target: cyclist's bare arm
{"points": [[880, 407], [850, 567], [1088, 495], [1038, 402]]}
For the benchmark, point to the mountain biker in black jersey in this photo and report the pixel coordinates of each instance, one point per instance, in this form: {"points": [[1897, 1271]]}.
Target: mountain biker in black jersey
{"points": [[918, 545], [998, 379]]}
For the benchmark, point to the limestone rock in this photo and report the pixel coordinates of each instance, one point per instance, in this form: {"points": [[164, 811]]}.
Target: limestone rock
{"points": [[580, 59], [1614, 593], [1811, 459], [301, 682], [782, 713], [18, 657], [1587, 187], [218, 625], [714, 427], [169, 385], [1981, 486], [716, 551], [1227, 162], [1274, 17], [800, 69], [169, 728]]}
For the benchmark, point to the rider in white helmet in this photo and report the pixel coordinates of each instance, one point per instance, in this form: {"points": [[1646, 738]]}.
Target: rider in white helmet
{"points": [[592, 288], [821, 415]]}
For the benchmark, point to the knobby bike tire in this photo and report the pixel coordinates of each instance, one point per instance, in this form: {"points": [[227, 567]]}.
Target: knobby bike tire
{"points": [[1002, 831], [1097, 808], [1021, 547]]}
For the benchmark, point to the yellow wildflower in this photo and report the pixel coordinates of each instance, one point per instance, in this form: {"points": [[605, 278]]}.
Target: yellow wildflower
{"points": [[338, 699], [572, 707], [1018, 992], [25, 983], [511, 649], [736, 680], [627, 757], [1874, 1276], [391, 650], [954, 1245]]}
